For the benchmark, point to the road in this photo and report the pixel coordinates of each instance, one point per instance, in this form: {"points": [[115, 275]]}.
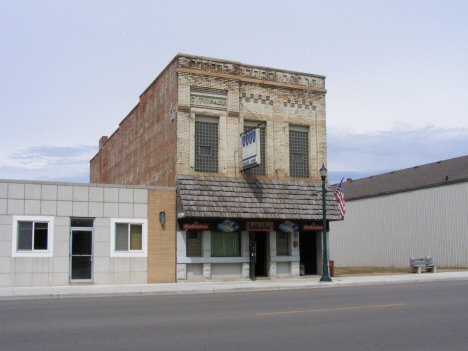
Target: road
{"points": [[418, 316]]}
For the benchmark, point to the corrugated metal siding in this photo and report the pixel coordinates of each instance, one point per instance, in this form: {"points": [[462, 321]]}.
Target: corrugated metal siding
{"points": [[386, 231]]}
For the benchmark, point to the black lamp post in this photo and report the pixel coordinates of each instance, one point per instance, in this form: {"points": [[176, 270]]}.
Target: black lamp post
{"points": [[325, 276]]}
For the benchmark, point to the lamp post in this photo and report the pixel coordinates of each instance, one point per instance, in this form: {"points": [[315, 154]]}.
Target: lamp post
{"points": [[325, 276]]}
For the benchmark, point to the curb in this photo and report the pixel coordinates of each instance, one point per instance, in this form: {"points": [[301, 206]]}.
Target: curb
{"points": [[201, 288]]}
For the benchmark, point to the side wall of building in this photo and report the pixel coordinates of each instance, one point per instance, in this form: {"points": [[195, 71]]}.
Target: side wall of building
{"points": [[386, 231], [142, 150]]}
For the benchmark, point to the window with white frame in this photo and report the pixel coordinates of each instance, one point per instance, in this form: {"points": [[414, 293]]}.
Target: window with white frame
{"points": [[128, 237], [32, 236]]}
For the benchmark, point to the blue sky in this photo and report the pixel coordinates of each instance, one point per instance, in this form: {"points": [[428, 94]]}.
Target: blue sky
{"points": [[396, 71]]}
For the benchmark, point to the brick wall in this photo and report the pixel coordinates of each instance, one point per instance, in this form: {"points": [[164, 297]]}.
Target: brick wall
{"points": [[142, 150], [161, 237]]}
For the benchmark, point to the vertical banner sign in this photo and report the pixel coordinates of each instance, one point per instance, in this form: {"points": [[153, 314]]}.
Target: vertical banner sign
{"points": [[251, 149]]}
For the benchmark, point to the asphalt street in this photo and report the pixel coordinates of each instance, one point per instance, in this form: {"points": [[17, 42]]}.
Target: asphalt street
{"points": [[418, 316]]}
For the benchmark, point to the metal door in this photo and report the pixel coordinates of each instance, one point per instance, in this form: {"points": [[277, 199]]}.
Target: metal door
{"points": [[81, 254]]}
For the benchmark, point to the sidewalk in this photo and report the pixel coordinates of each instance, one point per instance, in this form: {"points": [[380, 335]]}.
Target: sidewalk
{"points": [[218, 287]]}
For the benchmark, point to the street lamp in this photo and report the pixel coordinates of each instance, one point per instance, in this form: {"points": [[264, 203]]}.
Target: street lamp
{"points": [[325, 276]]}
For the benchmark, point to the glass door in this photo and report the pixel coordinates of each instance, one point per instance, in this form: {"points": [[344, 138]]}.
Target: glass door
{"points": [[81, 254]]}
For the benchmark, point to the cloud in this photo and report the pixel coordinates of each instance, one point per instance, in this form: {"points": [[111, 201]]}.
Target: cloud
{"points": [[49, 163], [361, 155]]}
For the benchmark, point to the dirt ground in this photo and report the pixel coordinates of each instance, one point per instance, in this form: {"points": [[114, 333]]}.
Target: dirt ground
{"points": [[356, 271]]}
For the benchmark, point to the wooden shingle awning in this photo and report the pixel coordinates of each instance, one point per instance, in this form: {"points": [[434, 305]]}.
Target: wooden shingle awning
{"points": [[266, 199]]}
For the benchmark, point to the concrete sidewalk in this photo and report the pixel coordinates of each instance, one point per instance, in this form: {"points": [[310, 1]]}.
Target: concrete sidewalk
{"points": [[219, 287]]}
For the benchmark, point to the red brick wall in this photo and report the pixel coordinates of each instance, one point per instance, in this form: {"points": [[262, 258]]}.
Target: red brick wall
{"points": [[142, 150]]}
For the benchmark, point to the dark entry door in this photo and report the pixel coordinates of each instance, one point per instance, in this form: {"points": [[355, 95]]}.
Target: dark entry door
{"points": [[260, 254], [308, 252], [81, 254]]}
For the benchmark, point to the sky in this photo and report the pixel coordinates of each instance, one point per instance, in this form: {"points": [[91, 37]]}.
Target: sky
{"points": [[70, 71]]}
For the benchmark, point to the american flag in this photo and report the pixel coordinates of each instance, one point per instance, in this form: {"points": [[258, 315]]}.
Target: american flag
{"points": [[340, 196]]}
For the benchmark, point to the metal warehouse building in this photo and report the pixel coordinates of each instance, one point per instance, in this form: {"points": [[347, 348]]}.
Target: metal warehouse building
{"points": [[415, 212]]}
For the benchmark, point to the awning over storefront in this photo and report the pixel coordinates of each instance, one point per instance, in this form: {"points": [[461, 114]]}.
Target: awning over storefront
{"points": [[216, 197]]}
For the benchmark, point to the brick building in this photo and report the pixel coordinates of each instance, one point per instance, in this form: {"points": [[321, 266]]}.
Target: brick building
{"points": [[186, 133]]}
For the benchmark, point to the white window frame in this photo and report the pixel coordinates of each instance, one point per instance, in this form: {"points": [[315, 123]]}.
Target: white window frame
{"points": [[33, 253], [144, 238]]}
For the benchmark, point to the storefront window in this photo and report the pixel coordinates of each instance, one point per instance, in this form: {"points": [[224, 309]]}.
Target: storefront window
{"points": [[225, 244]]}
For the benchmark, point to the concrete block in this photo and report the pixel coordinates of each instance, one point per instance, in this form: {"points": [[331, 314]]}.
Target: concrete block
{"points": [[22, 265], [111, 210], [15, 207], [295, 269], [96, 194], [121, 264], [65, 193], [111, 194], [3, 190], [101, 222], [103, 264], [126, 195], [226, 270], [3, 206], [61, 248], [65, 208], [40, 279], [101, 249], [49, 192], [139, 278], [5, 264], [58, 279], [6, 219], [60, 265], [96, 209], [32, 207], [102, 234], [5, 280], [65, 220], [122, 278], [138, 264], [80, 193], [140, 210], [181, 272], [245, 270], [22, 279], [207, 271], [5, 233], [5, 248], [125, 210], [80, 209], [283, 269], [140, 196], [15, 191], [103, 278], [49, 208], [40, 264], [32, 191], [61, 233], [272, 271]]}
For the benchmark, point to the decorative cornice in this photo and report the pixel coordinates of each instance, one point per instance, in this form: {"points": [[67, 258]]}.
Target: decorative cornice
{"points": [[251, 80]]}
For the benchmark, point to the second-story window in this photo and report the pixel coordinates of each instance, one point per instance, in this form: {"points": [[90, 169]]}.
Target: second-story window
{"points": [[298, 152], [206, 144]]}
